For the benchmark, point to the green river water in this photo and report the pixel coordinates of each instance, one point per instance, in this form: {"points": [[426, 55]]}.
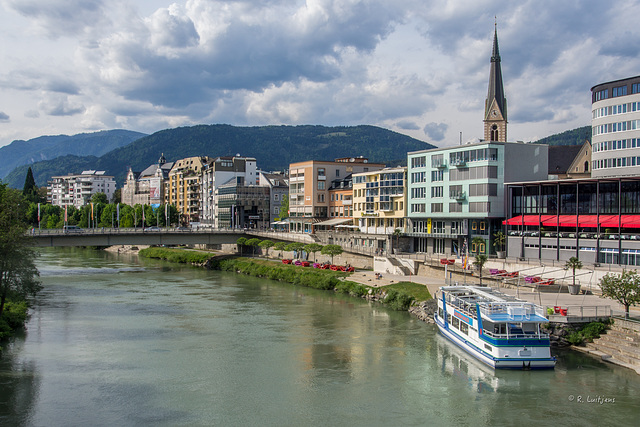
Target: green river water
{"points": [[117, 341]]}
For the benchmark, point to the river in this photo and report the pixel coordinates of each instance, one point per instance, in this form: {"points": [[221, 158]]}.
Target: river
{"points": [[117, 341]]}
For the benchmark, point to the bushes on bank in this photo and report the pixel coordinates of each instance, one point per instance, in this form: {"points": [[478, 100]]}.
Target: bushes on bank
{"points": [[588, 332], [14, 317], [176, 255]]}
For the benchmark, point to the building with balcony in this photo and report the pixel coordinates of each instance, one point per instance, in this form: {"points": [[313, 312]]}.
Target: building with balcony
{"points": [[615, 127], [77, 190], [379, 199], [183, 187], [219, 171], [457, 193], [147, 187], [278, 184], [309, 184]]}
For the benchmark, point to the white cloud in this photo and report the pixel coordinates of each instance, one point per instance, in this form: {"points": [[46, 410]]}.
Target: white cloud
{"points": [[419, 67]]}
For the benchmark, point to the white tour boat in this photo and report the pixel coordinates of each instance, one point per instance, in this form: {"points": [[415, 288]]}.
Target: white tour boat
{"points": [[499, 330]]}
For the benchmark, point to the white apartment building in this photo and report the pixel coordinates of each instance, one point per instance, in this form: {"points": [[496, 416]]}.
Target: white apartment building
{"points": [[76, 190], [615, 123]]}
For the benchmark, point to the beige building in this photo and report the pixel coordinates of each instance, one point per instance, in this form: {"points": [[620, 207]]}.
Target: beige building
{"points": [[147, 187], [183, 187], [380, 200], [309, 184]]}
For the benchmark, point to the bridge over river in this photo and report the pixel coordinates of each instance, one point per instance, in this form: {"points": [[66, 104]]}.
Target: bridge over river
{"points": [[154, 236]]}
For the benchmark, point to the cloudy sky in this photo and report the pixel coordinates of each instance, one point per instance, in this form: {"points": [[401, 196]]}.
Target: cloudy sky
{"points": [[419, 67]]}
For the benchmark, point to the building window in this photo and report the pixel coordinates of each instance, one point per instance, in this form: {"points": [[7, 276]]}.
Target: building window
{"points": [[419, 162], [455, 207], [437, 176], [321, 185], [436, 192], [321, 198], [436, 207], [418, 208], [418, 193], [619, 91]]}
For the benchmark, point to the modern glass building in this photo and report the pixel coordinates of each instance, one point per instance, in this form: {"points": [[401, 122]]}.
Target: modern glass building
{"points": [[596, 220]]}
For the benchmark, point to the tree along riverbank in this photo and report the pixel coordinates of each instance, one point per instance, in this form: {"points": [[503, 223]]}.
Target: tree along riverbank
{"points": [[398, 296]]}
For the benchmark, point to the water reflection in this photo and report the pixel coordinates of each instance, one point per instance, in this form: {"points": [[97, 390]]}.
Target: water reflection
{"points": [[19, 385]]}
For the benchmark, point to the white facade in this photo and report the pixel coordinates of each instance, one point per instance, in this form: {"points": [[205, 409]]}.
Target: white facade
{"points": [[76, 190], [615, 109], [220, 171]]}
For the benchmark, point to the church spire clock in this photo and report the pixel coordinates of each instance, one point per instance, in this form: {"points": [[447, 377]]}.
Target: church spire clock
{"points": [[495, 106]]}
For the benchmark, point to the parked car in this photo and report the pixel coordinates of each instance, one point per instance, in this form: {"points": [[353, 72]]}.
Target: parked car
{"points": [[154, 228], [72, 229]]}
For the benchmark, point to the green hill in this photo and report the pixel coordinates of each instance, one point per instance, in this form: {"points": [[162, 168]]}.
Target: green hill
{"points": [[571, 137], [274, 148], [20, 152]]}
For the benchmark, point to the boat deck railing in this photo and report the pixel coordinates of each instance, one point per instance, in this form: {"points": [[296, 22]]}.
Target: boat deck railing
{"points": [[531, 335], [511, 308]]}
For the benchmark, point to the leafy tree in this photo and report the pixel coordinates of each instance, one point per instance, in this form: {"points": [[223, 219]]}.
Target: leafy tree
{"points": [[284, 207], [479, 262], [624, 288], [312, 248], [18, 273], [99, 198], [280, 246], [331, 250], [573, 264], [266, 244], [242, 241], [253, 243], [117, 196], [478, 241], [295, 247]]}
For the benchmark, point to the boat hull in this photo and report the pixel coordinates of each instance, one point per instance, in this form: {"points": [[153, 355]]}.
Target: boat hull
{"points": [[497, 363]]}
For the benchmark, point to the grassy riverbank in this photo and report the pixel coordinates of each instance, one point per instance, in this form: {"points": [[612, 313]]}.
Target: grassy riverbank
{"points": [[398, 296]]}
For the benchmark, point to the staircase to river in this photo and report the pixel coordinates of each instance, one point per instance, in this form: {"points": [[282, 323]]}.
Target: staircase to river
{"points": [[620, 345]]}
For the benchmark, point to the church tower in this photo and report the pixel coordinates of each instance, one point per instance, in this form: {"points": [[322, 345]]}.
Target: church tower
{"points": [[495, 106]]}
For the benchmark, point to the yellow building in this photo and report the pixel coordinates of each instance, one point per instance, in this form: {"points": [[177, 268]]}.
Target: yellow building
{"points": [[379, 200], [183, 187]]}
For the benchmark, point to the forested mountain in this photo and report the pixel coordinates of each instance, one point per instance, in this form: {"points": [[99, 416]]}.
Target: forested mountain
{"points": [[20, 152], [571, 137], [274, 147]]}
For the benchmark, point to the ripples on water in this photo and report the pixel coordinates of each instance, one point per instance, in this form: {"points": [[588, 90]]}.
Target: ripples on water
{"points": [[117, 341]]}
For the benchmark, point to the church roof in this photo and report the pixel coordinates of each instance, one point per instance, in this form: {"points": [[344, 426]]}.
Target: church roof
{"points": [[496, 89], [561, 157]]}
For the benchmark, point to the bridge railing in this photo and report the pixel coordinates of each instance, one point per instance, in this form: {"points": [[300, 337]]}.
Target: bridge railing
{"points": [[132, 230]]}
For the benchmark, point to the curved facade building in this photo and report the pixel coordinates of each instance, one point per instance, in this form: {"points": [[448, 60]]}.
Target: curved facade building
{"points": [[615, 109]]}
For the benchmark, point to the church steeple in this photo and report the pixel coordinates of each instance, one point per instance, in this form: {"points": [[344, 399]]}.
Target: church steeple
{"points": [[495, 107]]}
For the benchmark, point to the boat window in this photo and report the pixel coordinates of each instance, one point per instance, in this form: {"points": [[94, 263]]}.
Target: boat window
{"points": [[455, 322], [488, 347], [448, 318], [440, 313], [464, 328]]}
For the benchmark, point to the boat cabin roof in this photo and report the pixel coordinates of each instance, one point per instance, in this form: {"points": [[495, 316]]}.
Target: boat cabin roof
{"points": [[495, 306]]}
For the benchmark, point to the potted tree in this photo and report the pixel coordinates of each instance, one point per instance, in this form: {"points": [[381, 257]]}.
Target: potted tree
{"points": [[574, 264], [480, 261], [498, 243]]}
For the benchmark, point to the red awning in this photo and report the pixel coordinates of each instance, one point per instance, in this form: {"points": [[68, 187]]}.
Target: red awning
{"points": [[583, 221], [520, 220]]}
